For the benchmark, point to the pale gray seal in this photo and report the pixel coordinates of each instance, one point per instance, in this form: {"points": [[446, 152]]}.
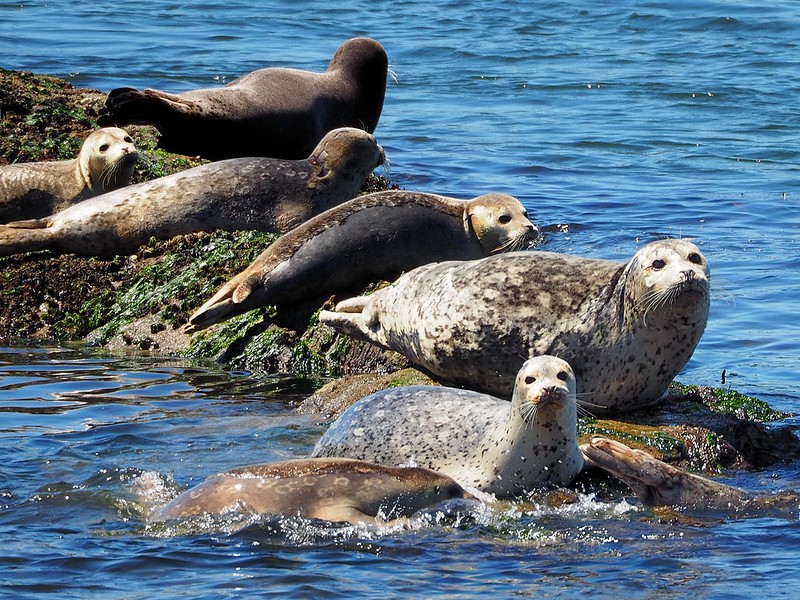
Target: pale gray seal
{"points": [[333, 489], [276, 112], [38, 189], [240, 193], [377, 236], [626, 329], [498, 447]]}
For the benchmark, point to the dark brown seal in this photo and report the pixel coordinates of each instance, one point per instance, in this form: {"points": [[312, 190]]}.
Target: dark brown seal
{"points": [[240, 193], [276, 112], [333, 489], [373, 237], [38, 189]]}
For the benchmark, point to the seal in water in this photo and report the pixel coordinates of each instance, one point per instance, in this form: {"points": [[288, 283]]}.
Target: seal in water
{"points": [[626, 329], [276, 112], [38, 189], [333, 489], [240, 193], [375, 237], [655, 482], [498, 447]]}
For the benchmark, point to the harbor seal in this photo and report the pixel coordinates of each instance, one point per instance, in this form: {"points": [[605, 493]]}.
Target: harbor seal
{"points": [[333, 489], [235, 194], [377, 236], [498, 447], [626, 329], [657, 483], [38, 189], [275, 112]]}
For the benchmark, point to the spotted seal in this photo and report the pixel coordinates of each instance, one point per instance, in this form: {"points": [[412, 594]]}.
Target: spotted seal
{"points": [[239, 193], [38, 189], [333, 489], [626, 329], [275, 112], [377, 236], [498, 447]]}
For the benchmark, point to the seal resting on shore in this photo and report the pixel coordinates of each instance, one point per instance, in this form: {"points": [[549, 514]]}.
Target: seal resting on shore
{"points": [[333, 489], [498, 447], [377, 236], [626, 329], [236, 194], [38, 189], [276, 112]]}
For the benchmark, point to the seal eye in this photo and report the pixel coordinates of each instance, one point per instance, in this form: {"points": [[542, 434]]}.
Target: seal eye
{"points": [[563, 375], [504, 219], [128, 139], [695, 258], [104, 147], [659, 264], [530, 379]]}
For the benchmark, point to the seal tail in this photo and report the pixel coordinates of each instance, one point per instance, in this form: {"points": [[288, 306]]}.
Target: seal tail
{"points": [[126, 106], [24, 236], [223, 305], [350, 318]]}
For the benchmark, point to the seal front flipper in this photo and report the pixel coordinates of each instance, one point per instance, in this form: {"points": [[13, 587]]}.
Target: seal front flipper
{"points": [[226, 303]]}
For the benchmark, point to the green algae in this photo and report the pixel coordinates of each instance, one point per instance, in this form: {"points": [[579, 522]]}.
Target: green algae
{"points": [[639, 436], [731, 402]]}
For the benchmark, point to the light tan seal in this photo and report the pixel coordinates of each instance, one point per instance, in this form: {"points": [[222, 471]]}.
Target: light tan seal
{"points": [[276, 112], [38, 189], [236, 194], [498, 447], [333, 489], [626, 329], [374, 237]]}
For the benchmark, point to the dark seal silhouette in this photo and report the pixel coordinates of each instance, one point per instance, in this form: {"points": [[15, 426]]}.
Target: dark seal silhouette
{"points": [[275, 112]]}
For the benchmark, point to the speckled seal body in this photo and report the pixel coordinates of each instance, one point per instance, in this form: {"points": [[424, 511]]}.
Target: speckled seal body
{"points": [[626, 329], [333, 489], [38, 189], [377, 236], [275, 112], [495, 446], [237, 194]]}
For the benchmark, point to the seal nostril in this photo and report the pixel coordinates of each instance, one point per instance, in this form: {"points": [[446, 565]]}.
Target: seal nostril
{"points": [[688, 274]]}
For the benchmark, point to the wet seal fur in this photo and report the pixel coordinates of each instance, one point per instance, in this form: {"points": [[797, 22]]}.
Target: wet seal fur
{"points": [[377, 236], [242, 193], [38, 189], [626, 329], [333, 489], [498, 447], [275, 112]]}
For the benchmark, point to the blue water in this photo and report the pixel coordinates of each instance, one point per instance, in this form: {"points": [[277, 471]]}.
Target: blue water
{"points": [[614, 123]]}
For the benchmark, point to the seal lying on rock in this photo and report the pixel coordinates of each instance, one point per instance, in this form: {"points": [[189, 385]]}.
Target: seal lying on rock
{"points": [[38, 189], [498, 447], [236, 194], [333, 489], [626, 329], [376, 237], [282, 113]]}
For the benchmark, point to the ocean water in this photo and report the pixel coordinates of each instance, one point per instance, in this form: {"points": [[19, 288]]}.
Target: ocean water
{"points": [[615, 123]]}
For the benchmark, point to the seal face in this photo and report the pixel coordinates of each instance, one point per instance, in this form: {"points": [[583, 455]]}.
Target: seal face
{"points": [[482, 442], [626, 329], [374, 237], [243, 193], [34, 190], [333, 489], [275, 112]]}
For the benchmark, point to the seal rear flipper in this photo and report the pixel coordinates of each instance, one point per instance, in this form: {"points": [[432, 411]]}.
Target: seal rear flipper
{"points": [[24, 236], [226, 303], [129, 105]]}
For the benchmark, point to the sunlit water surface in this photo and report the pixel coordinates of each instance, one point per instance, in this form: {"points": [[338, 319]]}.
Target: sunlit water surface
{"points": [[614, 122]]}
